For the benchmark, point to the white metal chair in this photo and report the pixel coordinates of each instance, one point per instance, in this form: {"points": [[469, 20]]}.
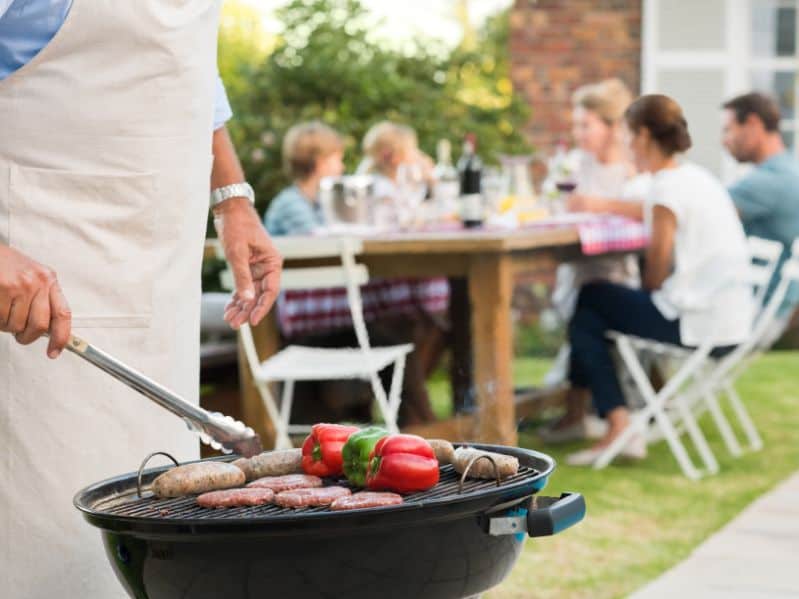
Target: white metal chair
{"points": [[691, 384], [301, 363]]}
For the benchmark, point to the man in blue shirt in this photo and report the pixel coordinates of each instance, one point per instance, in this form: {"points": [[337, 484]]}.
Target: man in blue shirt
{"points": [[767, 198]]}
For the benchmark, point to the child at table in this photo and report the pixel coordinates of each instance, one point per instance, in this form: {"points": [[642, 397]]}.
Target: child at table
{"points": [[400, 169], [311, 151]]}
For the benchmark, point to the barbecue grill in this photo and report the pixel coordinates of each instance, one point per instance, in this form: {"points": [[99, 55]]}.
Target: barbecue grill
{"points": [[455, 540]]}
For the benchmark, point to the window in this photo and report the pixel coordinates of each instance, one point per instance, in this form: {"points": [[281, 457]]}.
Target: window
{"points": [[685, 55], [773, 59]]}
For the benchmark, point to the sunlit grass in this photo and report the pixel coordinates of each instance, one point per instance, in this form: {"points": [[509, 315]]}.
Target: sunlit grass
{"points": [[644, 518]]}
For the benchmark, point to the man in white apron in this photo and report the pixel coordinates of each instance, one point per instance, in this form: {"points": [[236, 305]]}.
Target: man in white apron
{"points": [[105, 159]]}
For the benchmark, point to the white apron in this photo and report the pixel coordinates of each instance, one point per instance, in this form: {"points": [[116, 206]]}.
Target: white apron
{"points": [[105, 156]]}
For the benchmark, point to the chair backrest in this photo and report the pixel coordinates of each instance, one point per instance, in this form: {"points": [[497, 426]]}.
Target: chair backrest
{"points": [[347, 274], [765, 255], [789, 274], [345, 249]]}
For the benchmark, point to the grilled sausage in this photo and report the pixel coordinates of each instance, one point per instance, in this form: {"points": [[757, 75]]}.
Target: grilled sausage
{"points": [[276, 463], [243, 464], [286, 483], [308, 497], [445, 452], [506, 465], [235, 498], [200, 477], [365, 499]]}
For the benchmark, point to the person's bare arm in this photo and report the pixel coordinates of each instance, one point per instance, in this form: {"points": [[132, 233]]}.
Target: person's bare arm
{"points": [[660, 253], [254, 260], [31, 302], [584, 203]]}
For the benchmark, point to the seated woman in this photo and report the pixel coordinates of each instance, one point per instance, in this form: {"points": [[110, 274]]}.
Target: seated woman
{"points": [[604, 170], [607, 180], [311, 152], [693, 286]]}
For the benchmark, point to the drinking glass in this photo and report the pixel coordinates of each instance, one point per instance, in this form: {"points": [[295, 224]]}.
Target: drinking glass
{"points": [[412, 190], [565, 188]]}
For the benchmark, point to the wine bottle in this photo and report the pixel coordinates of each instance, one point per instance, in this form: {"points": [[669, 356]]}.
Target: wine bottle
{"points": [[470, 169]]}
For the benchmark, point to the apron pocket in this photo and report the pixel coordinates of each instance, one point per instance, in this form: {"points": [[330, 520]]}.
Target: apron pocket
{"points": [[96, 233]]}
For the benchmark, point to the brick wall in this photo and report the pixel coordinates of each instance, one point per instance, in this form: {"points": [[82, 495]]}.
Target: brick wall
{"points": [[558, 45]]}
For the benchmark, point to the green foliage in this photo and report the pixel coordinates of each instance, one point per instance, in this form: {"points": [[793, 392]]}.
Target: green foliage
{"points": [[326, 65]]}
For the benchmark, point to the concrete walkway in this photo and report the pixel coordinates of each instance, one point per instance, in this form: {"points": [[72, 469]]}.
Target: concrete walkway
{"points": [[755, 556]]}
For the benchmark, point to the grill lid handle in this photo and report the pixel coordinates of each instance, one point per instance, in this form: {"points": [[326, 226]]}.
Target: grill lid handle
{"points": [[543, 517]]}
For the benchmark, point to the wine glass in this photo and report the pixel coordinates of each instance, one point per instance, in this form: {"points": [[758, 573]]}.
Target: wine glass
{"points": [[412, 188], [565, 187]]}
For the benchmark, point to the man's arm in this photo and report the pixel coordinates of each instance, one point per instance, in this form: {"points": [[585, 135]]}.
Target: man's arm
{"points": [[255, 262], [660, 252]]}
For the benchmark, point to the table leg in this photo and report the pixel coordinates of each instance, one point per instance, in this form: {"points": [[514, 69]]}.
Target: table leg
{"points": [[490, 290], [460, 343], [267, 343]]}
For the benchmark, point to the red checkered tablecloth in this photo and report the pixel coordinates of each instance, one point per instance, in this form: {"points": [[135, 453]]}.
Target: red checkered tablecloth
{"points": [[302, 311], [611, 234], [600, 233]]}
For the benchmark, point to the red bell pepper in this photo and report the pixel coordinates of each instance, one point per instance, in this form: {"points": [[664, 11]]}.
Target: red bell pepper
{"points": [[403, 464], [321, 451]]}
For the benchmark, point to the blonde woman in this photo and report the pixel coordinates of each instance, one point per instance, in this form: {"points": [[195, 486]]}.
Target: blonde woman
{"points": [[311, 151], [604, 175]]}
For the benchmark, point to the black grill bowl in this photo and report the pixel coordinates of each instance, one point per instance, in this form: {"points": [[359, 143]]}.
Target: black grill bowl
{"points": [[437, 544]]}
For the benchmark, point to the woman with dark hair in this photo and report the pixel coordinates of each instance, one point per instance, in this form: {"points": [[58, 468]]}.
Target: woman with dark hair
{"points": [[693, 286]]}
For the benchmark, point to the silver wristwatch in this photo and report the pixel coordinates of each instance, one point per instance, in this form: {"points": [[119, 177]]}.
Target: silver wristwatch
{"points": [[235, 190]]}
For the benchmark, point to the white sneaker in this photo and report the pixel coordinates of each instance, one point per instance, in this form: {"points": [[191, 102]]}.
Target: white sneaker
{"points": [[574, 432], [591, 427], [595, 427], [635, 450]]}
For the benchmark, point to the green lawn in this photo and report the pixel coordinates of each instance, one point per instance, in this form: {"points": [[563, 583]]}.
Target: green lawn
{"points": [[644, 518]]}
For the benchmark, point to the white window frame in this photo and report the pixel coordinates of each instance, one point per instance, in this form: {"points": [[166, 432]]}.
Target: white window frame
{"points": [[736, 61]]}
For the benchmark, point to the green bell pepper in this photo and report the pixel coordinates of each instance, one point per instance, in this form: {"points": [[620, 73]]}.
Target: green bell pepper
{"points": [[356, 452]]}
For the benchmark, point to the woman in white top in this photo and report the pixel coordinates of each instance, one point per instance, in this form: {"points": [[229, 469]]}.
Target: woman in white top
{"points": [[693, 290]]}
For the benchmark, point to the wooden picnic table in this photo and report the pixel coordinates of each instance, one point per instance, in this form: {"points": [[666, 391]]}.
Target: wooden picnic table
{"points": [[482, 265]]}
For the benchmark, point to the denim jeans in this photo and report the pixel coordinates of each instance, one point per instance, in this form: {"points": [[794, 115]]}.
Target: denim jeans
{"points": [[603, 307]]}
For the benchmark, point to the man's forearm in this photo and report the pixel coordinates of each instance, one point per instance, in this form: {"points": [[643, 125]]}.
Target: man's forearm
{"points": [[227, 168]]}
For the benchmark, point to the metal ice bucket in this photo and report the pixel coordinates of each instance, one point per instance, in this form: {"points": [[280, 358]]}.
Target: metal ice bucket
{"points": [[347, 199]]}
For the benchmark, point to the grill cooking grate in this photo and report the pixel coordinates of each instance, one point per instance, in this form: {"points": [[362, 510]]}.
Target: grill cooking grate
{"points": [[186, 508]]}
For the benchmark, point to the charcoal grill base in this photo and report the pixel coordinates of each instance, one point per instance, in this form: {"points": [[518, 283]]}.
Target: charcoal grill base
{"points": [[434, 546], [452, 559]]}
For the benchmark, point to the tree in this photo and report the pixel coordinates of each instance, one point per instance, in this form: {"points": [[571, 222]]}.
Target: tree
{"points": [[326, 65]]}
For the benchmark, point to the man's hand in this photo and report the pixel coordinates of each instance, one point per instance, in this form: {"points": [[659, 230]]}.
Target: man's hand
{"points": [[31, 302], [255, 262], [583, 203]]}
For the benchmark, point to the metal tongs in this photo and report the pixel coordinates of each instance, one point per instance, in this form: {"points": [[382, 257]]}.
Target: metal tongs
{"points": [[215, 429]]}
